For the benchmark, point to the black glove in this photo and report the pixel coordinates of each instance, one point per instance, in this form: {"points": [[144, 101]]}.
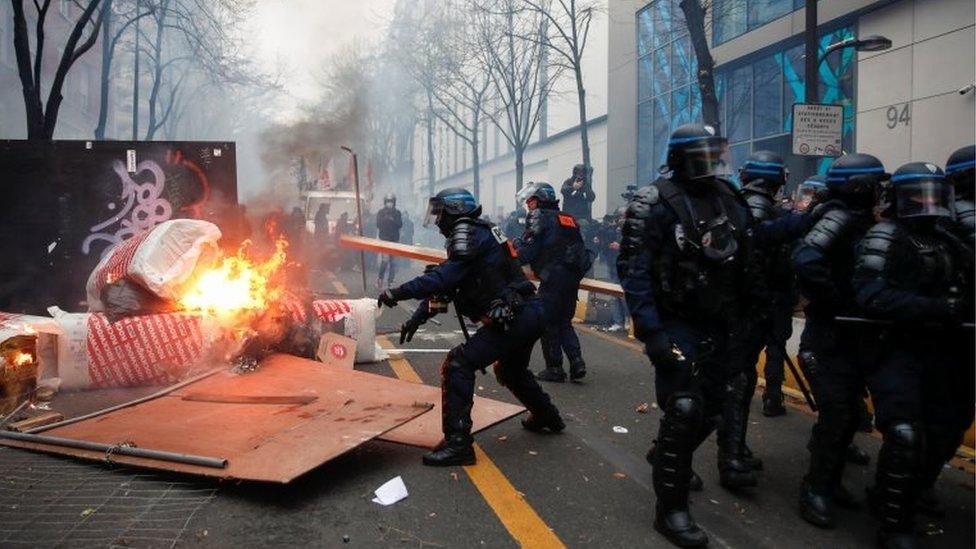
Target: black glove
{"points": [[386, 298], [500, 313], [662, 351], [408, 329]]}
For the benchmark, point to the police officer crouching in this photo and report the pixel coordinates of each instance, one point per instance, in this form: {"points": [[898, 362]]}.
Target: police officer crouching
{"points": [[681, 268], [483, 278], [832, 355], [910, 273], [553, 247]]}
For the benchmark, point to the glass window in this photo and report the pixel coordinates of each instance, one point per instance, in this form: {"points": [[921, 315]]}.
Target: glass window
{"points": [[644, 79], [681, 61], [767, 98], [737, 156], [662, 131], [662, 70], [764, 11], [678, 25], [661, 16], [729, 19], [680, 108], [739, 106], [645, 142], [645, 33]]}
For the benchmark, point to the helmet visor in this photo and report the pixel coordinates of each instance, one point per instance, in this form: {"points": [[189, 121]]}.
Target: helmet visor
{"points": [[924, 198], [435, 209], [524, 194], [707, 158]]}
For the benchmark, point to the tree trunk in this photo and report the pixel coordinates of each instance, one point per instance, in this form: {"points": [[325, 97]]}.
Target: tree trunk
{"points": [[135, 87], [695, 20], [153, 125], [475, 165], [34, 112], [431, 175], [107, 55], [519, 167], [584, 137]]}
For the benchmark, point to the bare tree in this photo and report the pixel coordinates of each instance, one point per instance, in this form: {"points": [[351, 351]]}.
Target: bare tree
{"points": [[42, 115], [568, 25], [694, 12], [123, 13], [521, 77]]}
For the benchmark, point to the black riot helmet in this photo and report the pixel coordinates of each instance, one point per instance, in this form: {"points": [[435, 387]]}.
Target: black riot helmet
{"points": [[855, 179], [449, 205], [696, 152], [921, 190], [389, 200], [960, 169], [544, 194], [765, 169]]}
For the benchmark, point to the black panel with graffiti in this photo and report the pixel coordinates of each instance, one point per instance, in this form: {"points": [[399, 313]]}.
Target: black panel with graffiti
{"points": [[66, 202]]}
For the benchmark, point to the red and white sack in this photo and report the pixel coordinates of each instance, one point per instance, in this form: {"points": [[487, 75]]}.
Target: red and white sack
{"points": [[161, 260], [140, 350], [359, 316]]}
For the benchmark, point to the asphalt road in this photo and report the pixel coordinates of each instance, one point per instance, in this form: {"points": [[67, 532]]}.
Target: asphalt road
{"points": [[587, 487]]}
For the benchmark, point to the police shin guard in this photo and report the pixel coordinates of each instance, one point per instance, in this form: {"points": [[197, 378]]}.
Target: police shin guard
{"points": [[672, 467], [896, 484], [457, 398], [734, 471]]}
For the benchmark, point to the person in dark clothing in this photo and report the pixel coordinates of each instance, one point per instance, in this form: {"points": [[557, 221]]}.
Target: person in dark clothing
{"points": [[913, 272], [321, 236], [682, 268], [959, 171], [348, 257], [515, 222], [389, 221], [406, 233], [833, 356], [553, 247], [608, 242], [578, 194], [482, 277]]}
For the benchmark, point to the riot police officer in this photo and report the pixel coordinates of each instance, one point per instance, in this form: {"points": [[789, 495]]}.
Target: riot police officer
{"points": [[389, 221], [909, 273], [959, 170], [682, 268], [553, 247], [831, 355], [809, 192], [483, 278]]}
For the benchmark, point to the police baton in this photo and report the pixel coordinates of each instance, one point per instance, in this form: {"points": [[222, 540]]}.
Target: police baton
{"points": [[800, 382], [859, 320]]}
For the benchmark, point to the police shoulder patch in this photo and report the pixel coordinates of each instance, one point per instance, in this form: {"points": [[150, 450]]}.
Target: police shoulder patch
{"points": [[498, 234], [566, 220]]}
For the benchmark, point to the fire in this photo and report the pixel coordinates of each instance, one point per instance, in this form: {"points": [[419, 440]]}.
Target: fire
{"points": [[22, 359], [236, 284]]}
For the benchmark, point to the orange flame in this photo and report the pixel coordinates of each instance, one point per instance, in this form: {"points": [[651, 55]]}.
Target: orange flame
{"points": [[22, 359], [236, 285]]}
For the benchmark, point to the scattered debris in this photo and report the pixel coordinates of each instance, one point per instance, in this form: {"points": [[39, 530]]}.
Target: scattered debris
{"points": [[642, 408], [454, 476], [345, 538], [46, 418], [393, 491], [620, 430], [654, 405], [89, 511], [244, 364], [618, 474], [202, 534], [932, 529]]}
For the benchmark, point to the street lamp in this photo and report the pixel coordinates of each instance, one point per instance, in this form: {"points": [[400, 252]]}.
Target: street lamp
{"points": [[873, 42]]}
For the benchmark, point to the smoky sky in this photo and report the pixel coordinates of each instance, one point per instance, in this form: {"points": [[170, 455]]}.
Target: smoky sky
{"points": [[296, 38]]}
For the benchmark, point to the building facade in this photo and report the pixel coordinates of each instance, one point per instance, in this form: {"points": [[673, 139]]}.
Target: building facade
{"points": [[911, 102]]}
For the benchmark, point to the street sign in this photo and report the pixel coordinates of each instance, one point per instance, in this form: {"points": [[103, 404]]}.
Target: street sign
{"points": [[817, 129]]}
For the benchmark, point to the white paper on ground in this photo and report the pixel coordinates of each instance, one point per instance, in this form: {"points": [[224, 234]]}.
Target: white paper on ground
{"points": [[620, 430], [393, 491]]}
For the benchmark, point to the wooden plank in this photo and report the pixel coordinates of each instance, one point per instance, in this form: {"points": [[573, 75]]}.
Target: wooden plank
{"points": [[251, 399], [264, 443], [44, 419], [431, 255]]}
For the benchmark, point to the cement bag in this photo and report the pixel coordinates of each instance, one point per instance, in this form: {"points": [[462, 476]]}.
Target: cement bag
{"points": [[359, 323], [160, 260], [141, 350]]}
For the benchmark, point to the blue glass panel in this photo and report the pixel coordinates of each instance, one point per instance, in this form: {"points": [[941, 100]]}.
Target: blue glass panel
{"points": [[644, 78], [645, 143], [696, 102], [661, 131], [764, 11], [661, 17], [729, 19], [767, 98], [793, 92], [738, 154], [680, 107], [739, 104], [645, 32], [678, 25], [662, 70], [681, 64]]}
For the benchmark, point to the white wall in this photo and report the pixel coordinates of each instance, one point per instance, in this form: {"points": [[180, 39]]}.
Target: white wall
{"points": [[931, 58]]}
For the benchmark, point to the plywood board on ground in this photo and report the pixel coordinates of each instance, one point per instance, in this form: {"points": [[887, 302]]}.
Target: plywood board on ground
{"points": [[274, 443]]}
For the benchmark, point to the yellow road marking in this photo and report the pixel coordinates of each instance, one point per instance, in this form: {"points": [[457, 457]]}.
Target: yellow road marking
{"points": [[516, 515]]}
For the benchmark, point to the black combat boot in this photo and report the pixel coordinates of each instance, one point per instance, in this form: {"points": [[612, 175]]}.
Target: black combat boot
{"points": [[773, 404], [751, 459], [680, 426], [540, 421], [555, 374], [456, 449], [815, 507], [733, 469], [457, 398], [896, 484], [695, 482], [577, 369]]}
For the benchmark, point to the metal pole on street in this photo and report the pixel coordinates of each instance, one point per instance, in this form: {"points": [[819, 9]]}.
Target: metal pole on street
{"points": [[359, 211]]}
